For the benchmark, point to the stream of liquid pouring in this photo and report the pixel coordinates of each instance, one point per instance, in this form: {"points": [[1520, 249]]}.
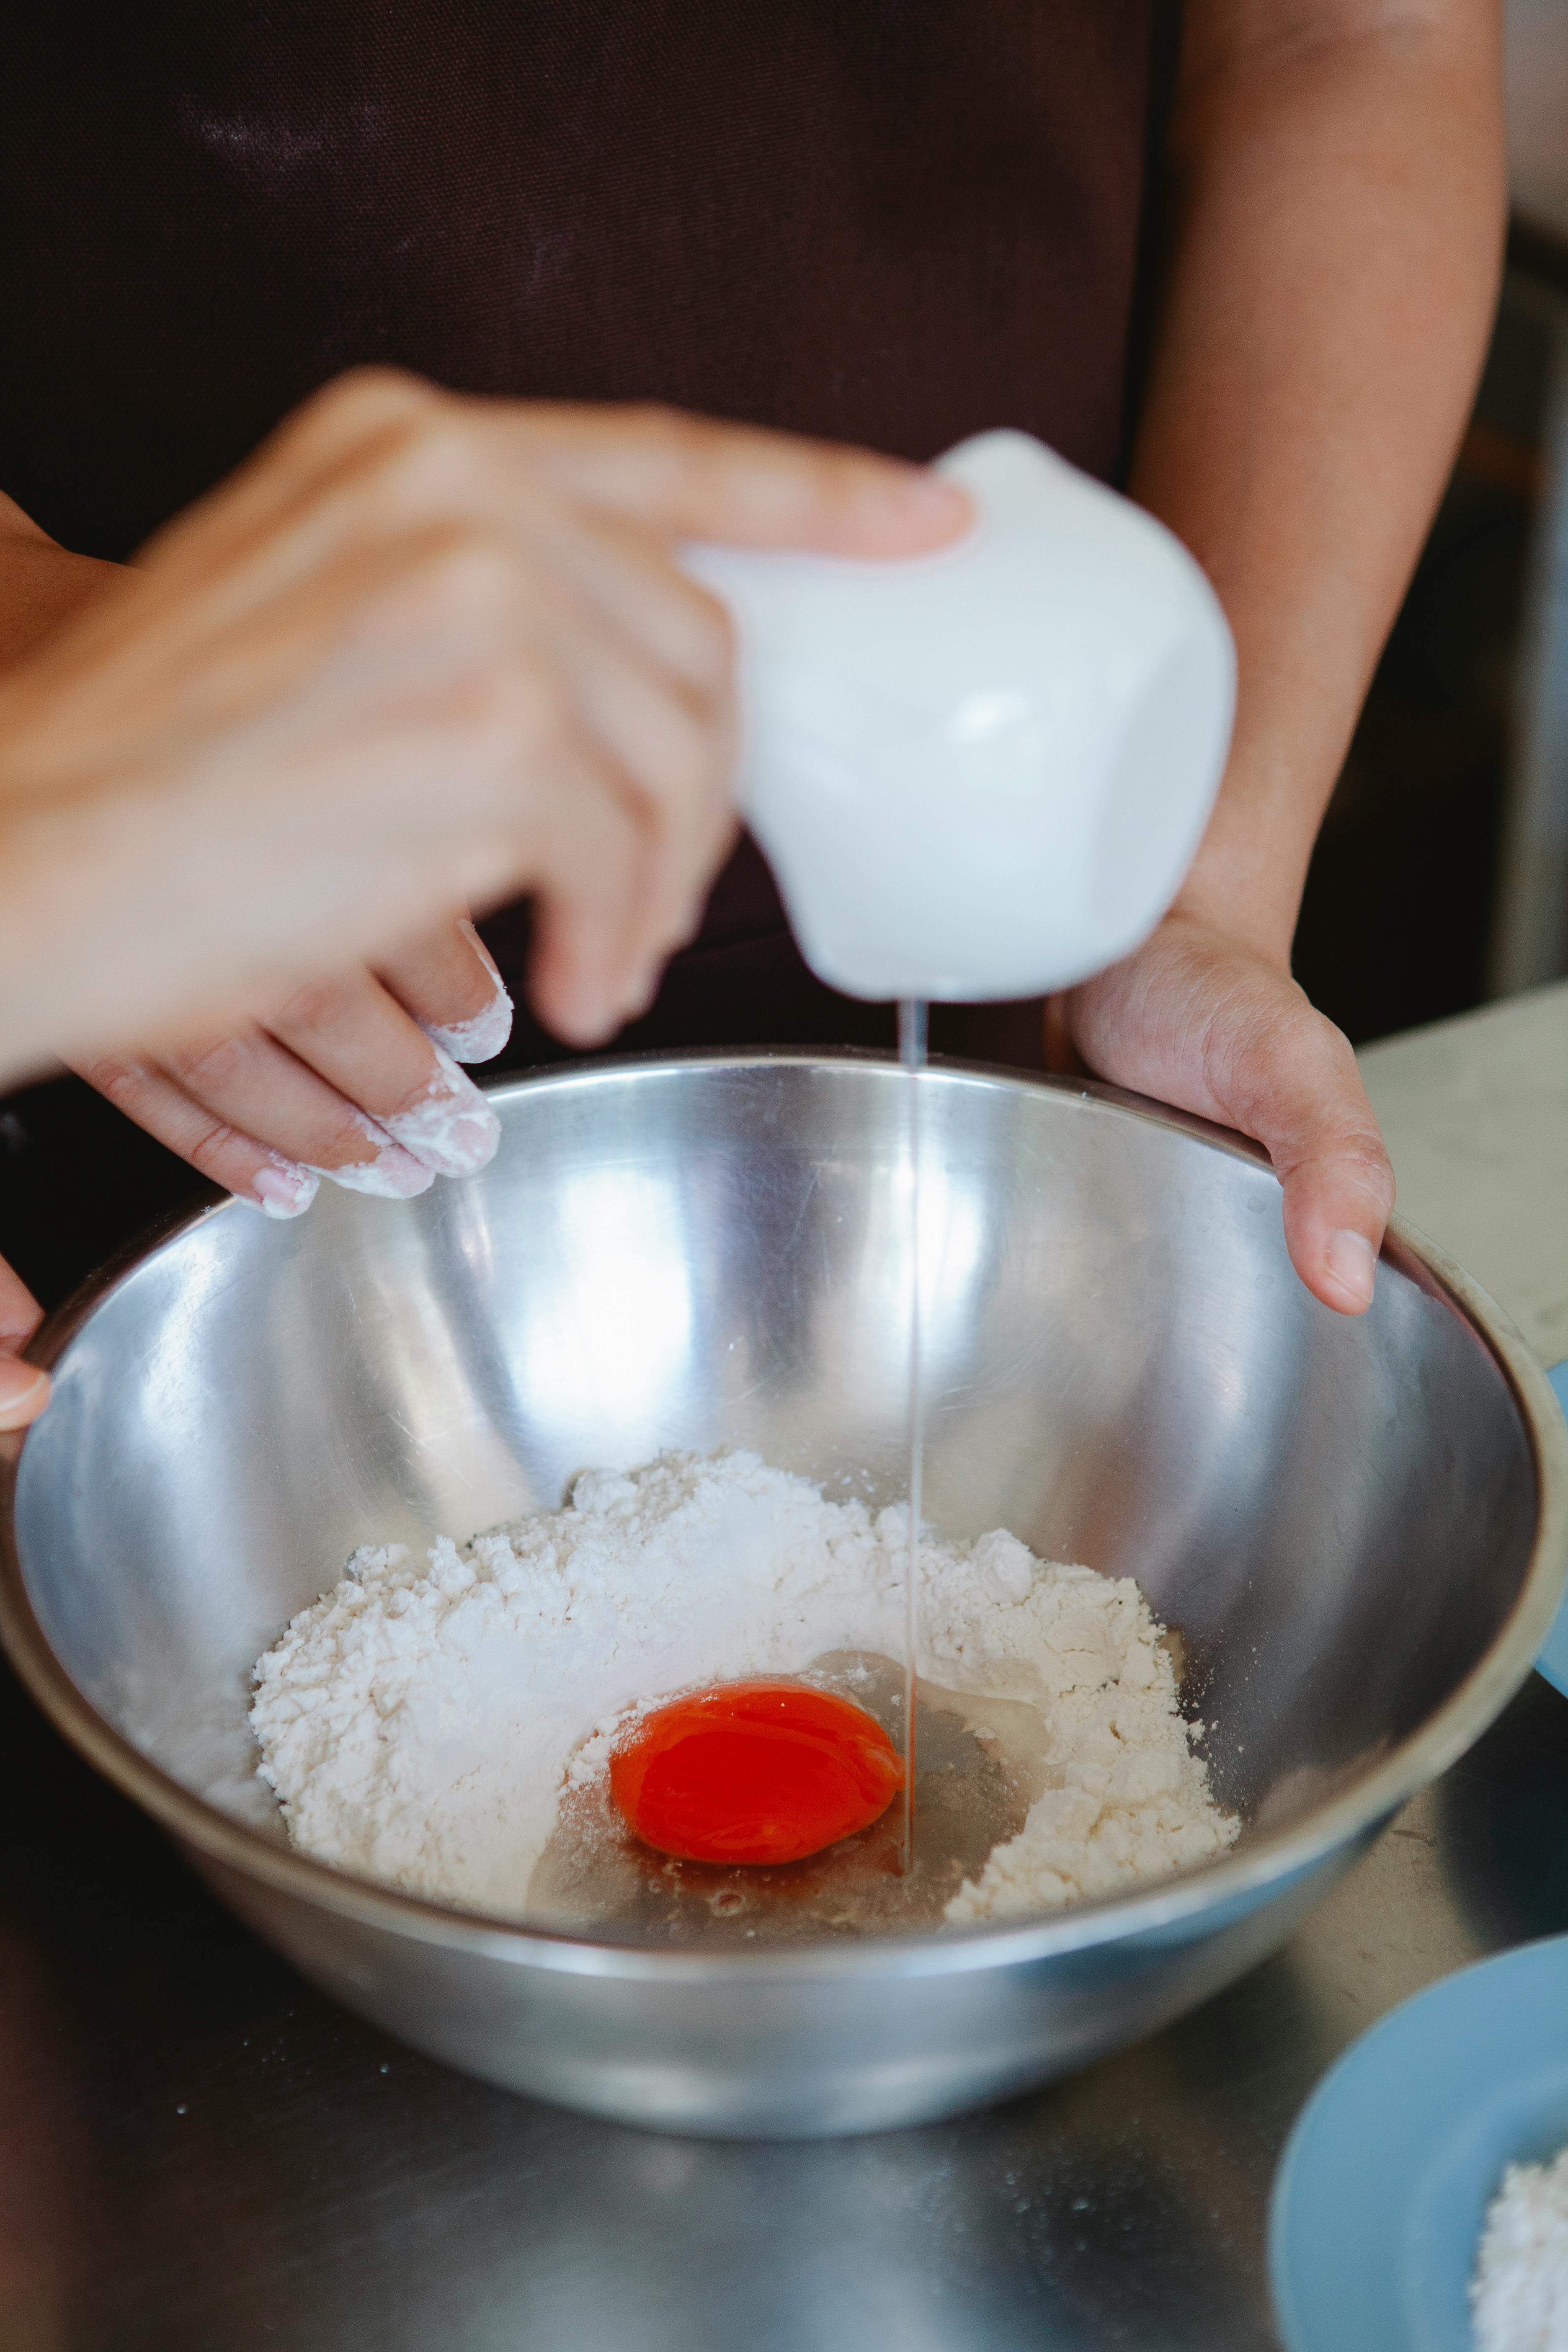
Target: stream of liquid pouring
{"points": [[912, 1054]]}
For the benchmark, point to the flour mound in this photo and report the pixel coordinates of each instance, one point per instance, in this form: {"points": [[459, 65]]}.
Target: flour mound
{"points": [[420, 1721], [1519, 2295]]}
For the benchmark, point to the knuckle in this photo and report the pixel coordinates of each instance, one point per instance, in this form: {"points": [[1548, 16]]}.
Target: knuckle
{"points": [[210, 1064], [386, 386], [116, 1075], [379, 382], [455, 581], [209, 1150], [434, 460], [415, 1095], [1366, 1165], [317, 1004], [360, 401]]}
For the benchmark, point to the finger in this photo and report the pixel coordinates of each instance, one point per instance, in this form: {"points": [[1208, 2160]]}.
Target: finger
{"points": [[447, 980], [1215, 1028], [575, 946], [692, 477], [24, 1389], [589, 971], [250, 1081], [628, 577], [354, 1033], [1339, 1187], [1298, 1090], [590, 842], [24, 1393], [20, 1313], [676, 762], [262, 1178], [680, 475]]}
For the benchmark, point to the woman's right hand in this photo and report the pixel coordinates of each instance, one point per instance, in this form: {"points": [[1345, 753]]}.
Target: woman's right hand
{"points": [[420, 651]]}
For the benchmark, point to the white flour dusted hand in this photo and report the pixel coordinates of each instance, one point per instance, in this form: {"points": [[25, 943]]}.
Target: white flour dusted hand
{"points": [[354, 1078], [420, 652]]}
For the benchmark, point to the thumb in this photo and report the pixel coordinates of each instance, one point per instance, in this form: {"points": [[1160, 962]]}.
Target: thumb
{"points": [[1310, 1113], [24, 1389]]}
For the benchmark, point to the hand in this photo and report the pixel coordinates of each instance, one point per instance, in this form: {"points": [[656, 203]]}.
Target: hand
{"points": [[1199, 1020], [354, 1078], [24, 1390], [420, 652]]}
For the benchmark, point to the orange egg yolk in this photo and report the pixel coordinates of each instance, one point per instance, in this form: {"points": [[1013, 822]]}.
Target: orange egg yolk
{"points": [[757, 1772]]}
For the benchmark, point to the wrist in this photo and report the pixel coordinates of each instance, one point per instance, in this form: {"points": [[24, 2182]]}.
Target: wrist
{"points": [[1250, 870], [1242, 910]]}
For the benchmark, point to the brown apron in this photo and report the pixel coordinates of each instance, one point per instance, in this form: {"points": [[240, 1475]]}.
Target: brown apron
{"points": [[890, 221]]}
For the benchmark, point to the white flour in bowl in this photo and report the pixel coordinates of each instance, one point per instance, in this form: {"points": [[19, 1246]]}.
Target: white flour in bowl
{"points": [[421, 1720], [1519, 2295]]}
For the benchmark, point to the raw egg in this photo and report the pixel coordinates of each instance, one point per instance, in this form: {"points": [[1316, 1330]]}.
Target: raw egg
{"points": [[756, 1771]]}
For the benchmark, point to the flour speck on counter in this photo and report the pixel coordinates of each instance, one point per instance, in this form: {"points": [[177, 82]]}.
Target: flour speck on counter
{"points": [[422, 1720]]}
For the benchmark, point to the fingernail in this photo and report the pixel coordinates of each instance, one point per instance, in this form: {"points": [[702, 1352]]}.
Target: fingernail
{"points": [[283, 1190], [389, 1175], [23, 1392], [478, 1040], [482, 1036], [1352, 1262], [451, 1128]]}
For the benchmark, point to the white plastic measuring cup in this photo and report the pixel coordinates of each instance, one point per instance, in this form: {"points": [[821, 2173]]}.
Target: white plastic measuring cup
{"points": [[982, 773]]}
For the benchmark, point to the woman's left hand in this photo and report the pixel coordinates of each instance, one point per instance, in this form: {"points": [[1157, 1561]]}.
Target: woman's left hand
{"points": [[24, 1390], [354, 1077], [1205, 1022]]}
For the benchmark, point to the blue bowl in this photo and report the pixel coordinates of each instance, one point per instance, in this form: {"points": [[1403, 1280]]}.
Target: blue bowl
{"points": [[1553, 1659], [1383, 2186]]}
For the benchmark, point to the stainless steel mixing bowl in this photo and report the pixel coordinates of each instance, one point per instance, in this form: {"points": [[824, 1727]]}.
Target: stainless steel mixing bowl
{"points": [[1359, 1528]]}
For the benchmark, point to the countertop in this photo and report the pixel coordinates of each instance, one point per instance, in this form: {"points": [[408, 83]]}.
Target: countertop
{"points": [[198, 2153], [1474, 1112]]}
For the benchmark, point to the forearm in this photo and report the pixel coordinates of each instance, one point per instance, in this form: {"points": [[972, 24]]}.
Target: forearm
{"points": [[41, 583], [1337, 180]]}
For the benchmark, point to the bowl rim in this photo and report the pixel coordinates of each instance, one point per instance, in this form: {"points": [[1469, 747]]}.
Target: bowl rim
{"points": [[1355, 1812]]}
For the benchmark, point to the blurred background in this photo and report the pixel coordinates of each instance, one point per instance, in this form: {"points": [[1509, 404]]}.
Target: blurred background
{"points": [[1441, 876]]}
